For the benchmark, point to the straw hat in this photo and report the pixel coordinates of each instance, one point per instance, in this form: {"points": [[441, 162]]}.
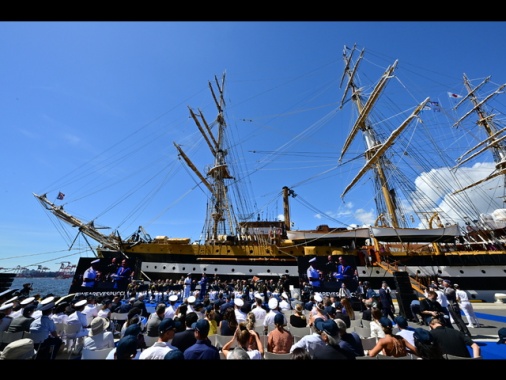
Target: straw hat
{"points": [[98, 325], [21, 349]]}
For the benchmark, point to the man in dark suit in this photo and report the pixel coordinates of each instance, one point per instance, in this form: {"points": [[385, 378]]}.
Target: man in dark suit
{"points": [[387, 305], [127, 306], [227, 304], [186, 338], [141, 305]]}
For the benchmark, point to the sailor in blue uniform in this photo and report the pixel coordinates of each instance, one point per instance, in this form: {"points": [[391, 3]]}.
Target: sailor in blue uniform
{"points": [[313, 274]]}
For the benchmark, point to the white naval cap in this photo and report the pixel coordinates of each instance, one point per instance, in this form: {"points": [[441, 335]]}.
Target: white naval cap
{"points": [[26, 301], [6, 306]]}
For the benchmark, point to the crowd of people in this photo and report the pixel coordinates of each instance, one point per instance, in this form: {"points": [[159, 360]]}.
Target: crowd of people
{"points": [[251, 317]]}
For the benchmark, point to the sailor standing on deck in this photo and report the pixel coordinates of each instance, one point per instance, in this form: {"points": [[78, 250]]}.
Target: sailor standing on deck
{"points": [[90, 274], [313, 274], [187, 286], [203, 287], [453, 307]]}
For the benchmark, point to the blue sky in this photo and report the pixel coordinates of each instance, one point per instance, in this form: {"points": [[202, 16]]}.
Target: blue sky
{"points": [[74, 91]]}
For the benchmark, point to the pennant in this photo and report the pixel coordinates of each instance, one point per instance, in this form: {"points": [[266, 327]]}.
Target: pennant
{"points": [[60, 196], [435, 106], [456, 96]]}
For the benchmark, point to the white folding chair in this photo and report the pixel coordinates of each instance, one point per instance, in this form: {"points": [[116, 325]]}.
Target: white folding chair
{"points": [[386, 357], [300, 331], [287, 313], [9, 337], [71, 339], [117, 320], [454, 357], [150, 340], [221, 340], [368, 343], [363, 332], [259, 329], [272, 356], [87, 354], [59, 328]]}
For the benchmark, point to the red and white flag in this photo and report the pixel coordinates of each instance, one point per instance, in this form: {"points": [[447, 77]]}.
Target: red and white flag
{"points": [[456, 96]]}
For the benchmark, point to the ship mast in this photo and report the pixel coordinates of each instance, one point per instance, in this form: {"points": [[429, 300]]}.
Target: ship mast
{"points": [[87, 229], [494, 140], [375, 148], [220, 218]]}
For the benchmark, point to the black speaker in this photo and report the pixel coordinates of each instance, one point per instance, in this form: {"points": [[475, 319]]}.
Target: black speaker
{"points": [[405, 294]]}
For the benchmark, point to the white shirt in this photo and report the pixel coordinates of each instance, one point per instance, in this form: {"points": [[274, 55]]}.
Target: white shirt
{"points": [[462, 295], [78, 317], [99, 341], [376, 330], [90, 274], [104, 313], [259, 313], [309, 342], [157, 351], [59, 318], [239, 315], [91, 311], [407, 334], [254, 354], [37, 314], [170, 311], [110, 356], [441, 298], [284, 305], [269, 318]]}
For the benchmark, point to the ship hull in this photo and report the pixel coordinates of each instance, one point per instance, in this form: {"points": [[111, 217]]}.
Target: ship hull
{"points": [[481, 274]]}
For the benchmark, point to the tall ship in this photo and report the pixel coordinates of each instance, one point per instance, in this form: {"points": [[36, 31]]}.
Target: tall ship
{"points": [[428, 223]]}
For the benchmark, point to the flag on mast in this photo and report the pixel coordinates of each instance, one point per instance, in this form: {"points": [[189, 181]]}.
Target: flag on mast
{"points": [[456, 96], [60, 196]]}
